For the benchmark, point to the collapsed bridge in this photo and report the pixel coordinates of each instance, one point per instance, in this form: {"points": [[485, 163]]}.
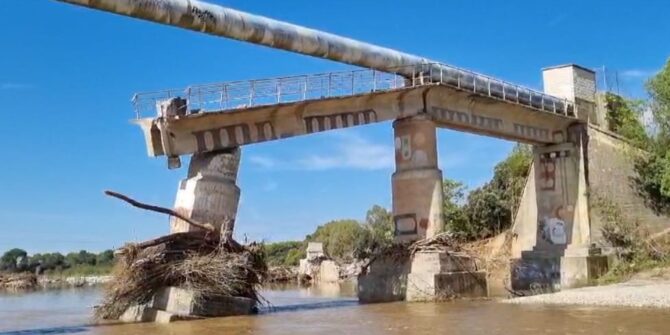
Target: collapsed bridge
{"points": [[211, 122]]}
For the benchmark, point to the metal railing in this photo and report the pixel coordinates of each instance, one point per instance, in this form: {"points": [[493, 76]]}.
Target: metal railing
{"points": [[252, 93]]}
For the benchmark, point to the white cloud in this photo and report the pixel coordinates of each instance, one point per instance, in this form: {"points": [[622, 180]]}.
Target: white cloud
{"points": [[263, 161], [349, 150], [636, 74], [352, 151]]}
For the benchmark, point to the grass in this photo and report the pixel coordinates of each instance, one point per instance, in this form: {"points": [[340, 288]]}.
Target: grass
{"points": [[625, 270], [636, 248]]}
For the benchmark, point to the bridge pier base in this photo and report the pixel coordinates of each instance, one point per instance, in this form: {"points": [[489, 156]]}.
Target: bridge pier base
{"points": [[209, 195], [417, 214]]}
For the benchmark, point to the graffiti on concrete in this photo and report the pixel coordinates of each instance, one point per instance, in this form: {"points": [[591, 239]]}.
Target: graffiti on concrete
{"points": [[489, 123], [233, 136], [555, 207], [409, 145], [553, 229], [547, 174], [539, 275], [319, 123]]}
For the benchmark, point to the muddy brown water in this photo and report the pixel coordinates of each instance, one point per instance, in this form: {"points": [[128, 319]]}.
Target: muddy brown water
{"points": [[334, 310]]}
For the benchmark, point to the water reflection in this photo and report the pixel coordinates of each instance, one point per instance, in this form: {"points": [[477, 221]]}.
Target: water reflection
{"points": [[334, 310]]}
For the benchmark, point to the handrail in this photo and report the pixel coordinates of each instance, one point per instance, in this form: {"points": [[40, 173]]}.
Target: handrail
{"points": [[241, 94]]}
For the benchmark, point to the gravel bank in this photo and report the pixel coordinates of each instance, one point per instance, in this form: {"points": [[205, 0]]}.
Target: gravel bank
{"points": [[636, 293]]}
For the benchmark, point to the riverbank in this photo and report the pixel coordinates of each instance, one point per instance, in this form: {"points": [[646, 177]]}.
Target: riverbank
{"points": [[647, 289], [28, 282]]}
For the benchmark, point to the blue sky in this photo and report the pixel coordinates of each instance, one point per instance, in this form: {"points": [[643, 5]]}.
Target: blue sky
{"points": [[67, 75]]}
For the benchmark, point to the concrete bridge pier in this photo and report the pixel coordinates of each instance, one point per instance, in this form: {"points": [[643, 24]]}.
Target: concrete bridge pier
{"points": [[553, 223], [209, 194], [417, 214], [417, 181]]}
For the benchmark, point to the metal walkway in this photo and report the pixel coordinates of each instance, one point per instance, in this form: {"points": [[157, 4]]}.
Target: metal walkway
{"points": [[261, 92]]}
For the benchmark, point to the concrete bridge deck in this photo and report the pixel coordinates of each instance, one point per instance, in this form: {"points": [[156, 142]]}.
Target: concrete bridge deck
{"points": [[217, 116]]}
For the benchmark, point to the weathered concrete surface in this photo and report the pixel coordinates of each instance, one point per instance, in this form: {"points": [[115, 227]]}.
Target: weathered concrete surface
{"points": [[182, 302], [606, 171], [174, 304], [385, 279], [426, 276], [314, 250], [442, 262], [329, 272], [417, 182], [582, 270], [575, 83], [449, 107], [553, 233], [443, 286], [611, 173], [317, 266], [441, 275], [553, 220], [209, 194]]}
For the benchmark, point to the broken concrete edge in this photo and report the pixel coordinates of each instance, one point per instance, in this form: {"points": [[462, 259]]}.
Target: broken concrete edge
{"points": [[178, 304]]}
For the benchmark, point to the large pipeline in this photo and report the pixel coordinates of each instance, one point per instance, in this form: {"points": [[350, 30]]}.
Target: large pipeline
{"points": [[217, 20]]}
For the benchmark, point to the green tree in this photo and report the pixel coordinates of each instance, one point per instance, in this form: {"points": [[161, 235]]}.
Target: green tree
{"points": [[488, 209], [284, 253], [379, 232], [487, 212], [455, 220], [659, 90], [379, 221], [47, 261], [82, 257], [340, 238], [624, 117], [653, 169], [11, 260], [105, 258], [293, 256]]}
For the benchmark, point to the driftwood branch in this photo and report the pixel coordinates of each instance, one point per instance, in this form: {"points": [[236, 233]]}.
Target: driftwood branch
{"points": [[158, 209]]}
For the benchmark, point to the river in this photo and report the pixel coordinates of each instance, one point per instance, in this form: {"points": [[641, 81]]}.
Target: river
{"points": [[333, 310]]}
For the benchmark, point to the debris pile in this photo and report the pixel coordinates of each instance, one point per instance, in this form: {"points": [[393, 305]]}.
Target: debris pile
{"points": [[198, 261], [402, 252], [443, 242], [205, 261]]}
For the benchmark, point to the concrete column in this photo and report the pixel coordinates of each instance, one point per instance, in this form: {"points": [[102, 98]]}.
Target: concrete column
{"points": [[209, 194], [417, 181], [554, 213]]}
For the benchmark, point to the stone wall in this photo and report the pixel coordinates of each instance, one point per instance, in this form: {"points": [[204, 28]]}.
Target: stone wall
{"points": [[610, 172]]}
